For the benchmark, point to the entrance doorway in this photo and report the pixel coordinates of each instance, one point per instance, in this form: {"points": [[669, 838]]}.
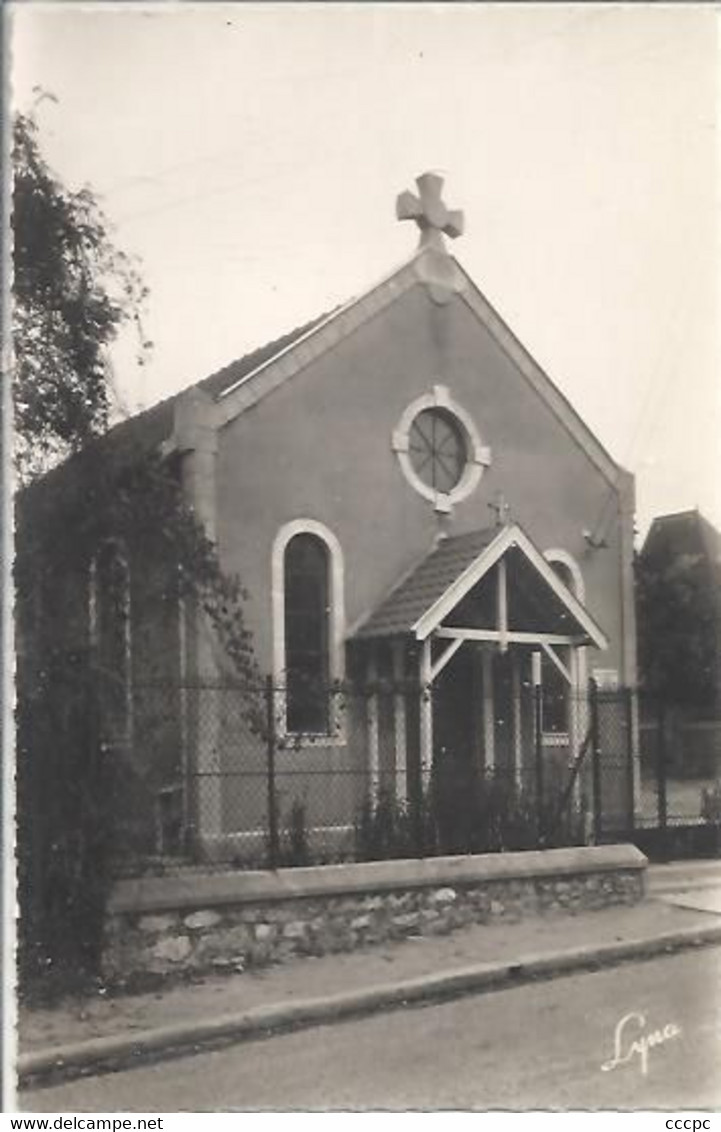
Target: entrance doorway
{"points": [[455, 697], [456, 768]]}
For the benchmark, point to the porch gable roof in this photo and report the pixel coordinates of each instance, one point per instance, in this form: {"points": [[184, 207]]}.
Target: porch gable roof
{"points": [[421, 601]]}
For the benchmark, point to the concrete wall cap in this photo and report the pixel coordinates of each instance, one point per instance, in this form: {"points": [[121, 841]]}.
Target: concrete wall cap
{"points": [[204, 890]]}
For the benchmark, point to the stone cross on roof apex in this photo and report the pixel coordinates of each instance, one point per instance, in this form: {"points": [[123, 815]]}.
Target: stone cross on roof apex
{"points": [[429, 212]]}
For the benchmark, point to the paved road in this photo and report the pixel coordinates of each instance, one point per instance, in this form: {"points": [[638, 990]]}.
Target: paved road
{"points": [[540, 1045]]}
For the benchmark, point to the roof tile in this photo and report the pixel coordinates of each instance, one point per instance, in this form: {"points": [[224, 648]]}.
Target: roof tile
{"points": [[408, 602]]}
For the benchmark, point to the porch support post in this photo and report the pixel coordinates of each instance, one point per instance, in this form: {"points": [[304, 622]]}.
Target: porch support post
{"points": [[372, 725], [488, 720], [538, 738], [426, 720], [478, 713], [502, 598], [516, 698], [399, 721]]}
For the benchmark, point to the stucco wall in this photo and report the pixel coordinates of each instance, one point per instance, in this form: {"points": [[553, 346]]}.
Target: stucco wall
{"points": [[320, 447]]}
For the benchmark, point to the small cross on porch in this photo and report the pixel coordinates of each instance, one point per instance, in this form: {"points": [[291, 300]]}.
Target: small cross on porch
{"points": [[502, 510]]}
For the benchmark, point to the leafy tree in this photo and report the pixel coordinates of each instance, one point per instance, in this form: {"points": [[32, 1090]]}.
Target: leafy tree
{"points": [[73, 292], [678, 624]]}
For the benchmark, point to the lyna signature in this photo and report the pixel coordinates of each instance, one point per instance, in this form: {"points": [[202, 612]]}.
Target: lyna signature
{"points": [[632, 1039]]}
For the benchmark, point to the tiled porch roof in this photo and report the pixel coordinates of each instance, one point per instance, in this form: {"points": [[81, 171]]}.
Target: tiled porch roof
{"points": [[407, 603], [535, 603]]}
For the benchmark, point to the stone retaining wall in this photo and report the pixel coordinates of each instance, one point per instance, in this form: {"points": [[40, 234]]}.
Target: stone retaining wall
{"points": [[238, 921]]}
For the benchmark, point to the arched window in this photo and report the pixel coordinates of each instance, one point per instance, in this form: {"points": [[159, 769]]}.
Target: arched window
{"points": [[568, 570], [556, 699], [308, 631], [307, 617], [557, 694], [110, 637]]}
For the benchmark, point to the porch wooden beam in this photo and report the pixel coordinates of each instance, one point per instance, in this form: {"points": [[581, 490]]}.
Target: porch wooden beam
{"points": [[443, 659], [555, 658], [513, 637]]}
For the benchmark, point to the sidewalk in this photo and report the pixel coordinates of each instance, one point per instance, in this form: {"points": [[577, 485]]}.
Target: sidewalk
{"points": [[109, 1031]]}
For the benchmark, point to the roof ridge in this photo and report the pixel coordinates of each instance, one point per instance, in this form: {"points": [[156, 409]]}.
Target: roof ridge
{"points": [[444, 541], [272, 349], [322, 321], [687, 513]]}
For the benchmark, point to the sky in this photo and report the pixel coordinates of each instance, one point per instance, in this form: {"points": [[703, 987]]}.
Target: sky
{"points": [[250, 156]]}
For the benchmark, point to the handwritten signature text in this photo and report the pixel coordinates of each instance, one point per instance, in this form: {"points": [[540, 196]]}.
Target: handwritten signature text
{"points": [[632, 1039]]}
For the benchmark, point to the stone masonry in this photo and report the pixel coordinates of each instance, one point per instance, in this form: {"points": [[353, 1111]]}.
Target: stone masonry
{"points": [[253, 933]]}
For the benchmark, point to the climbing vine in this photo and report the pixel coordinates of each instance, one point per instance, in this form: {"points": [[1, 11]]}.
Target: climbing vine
{"points": [[83, 486]]}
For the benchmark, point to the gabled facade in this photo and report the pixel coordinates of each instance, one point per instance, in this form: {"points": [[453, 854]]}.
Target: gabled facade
{"points": [[406, 495]]}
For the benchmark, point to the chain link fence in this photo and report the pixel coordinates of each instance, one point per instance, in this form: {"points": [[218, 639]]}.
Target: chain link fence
{"points": [[177, 778], [212, 776]]}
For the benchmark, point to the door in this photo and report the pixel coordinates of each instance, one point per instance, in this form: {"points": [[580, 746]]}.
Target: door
{"points": [[455, 771]]}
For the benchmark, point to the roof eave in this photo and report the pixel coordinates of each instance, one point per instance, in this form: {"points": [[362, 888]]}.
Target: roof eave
{"points": [[539, 380], [508, 537]]}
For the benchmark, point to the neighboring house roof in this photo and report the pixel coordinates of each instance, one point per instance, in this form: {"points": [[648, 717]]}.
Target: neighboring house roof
{"points": [[422, 600], [683, 533]]}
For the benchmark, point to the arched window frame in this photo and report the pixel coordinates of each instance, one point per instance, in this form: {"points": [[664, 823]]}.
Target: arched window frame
{"points": [[557, 555], [563, 558], [121, 554], [336, 735]]}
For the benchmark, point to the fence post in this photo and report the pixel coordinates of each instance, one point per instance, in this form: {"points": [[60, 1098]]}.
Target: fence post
{"points": [[595, 761], [630, 777], [538, 721], [272, 802], [661, 774]]}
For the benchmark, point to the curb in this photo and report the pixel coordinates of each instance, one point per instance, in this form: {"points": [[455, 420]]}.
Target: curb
{"points": [[663, 886], [130, 1050]]}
